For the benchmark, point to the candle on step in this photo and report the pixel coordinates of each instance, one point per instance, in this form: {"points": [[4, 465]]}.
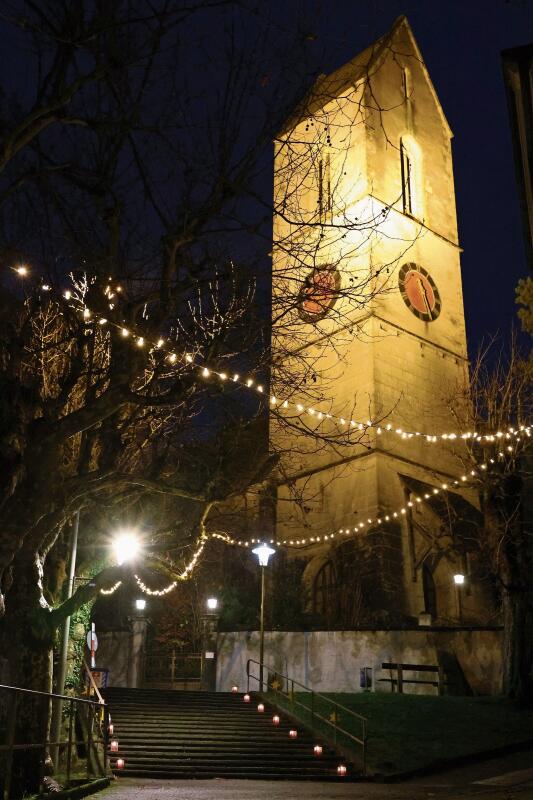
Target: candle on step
{"points": [[234, 689], [114, 746], [260, 708], [317, 749], [275, 719], [293, 733], [120, 763], [246, 698], [341, 770]]}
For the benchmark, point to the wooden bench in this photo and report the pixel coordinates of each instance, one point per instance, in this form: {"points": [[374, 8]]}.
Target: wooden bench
{"points": [[400, 679]]}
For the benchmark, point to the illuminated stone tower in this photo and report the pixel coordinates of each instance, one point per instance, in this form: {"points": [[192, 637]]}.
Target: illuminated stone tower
{"points": [[366, 240]]}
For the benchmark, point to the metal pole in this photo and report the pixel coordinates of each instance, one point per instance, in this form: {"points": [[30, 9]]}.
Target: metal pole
{"points": [[62, 673], [262, 630]]}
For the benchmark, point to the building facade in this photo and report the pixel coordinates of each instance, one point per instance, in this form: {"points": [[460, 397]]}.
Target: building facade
{"points": [[368, 327]]}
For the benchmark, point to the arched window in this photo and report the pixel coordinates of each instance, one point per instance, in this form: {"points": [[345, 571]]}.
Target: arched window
{"points": [[326, 593]]}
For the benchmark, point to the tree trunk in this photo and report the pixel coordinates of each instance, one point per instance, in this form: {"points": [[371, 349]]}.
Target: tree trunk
{"points": [[26, 642], [517, 646]]}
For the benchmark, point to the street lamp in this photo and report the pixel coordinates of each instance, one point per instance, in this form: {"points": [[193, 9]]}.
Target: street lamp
{"points": [[263, 553], [140, 604], [459, 580], [126, 547], [212, 603]]}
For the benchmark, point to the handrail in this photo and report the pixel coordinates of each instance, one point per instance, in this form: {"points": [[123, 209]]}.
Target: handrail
{"points": [[264, 668], [95, 712], [49, 694]]}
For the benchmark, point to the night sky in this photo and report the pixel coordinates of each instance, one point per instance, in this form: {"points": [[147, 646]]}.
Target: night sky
{"points": [[461, 42]]}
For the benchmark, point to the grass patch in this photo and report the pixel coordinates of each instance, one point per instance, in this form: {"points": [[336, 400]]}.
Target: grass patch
{"points": [[409, 732]]}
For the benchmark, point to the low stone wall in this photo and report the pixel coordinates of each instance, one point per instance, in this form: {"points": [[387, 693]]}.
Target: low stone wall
{"points": [[330, 661]]}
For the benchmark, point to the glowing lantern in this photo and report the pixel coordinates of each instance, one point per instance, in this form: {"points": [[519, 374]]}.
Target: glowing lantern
{"points": [[110, 729], [341, 770], [120, 763], [246, 698], [260, 708], [114, 746], [293, 733], [234, 689], [275, 719], [317, 749]]}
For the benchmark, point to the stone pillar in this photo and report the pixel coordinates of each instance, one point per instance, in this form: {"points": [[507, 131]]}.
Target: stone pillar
{"points": [[136, 656], [209, 652]]}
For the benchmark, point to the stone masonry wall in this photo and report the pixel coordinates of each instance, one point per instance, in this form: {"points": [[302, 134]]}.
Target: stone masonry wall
{"points": [[330, 661]]}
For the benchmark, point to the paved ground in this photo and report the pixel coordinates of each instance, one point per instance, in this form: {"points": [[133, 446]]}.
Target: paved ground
{"points": [[131, 789], [511, 769], [509, 777]]}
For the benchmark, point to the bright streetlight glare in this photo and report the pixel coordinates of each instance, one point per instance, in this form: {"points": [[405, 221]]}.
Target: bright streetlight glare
{"points": [[263, 553], [126, 547], [212, 603]]}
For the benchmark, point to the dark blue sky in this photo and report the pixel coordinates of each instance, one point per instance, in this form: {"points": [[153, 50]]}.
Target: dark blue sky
{"points": [[461, 41]]}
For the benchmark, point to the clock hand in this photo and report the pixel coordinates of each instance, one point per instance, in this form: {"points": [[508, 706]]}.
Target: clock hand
{"points": [[424, 294]]}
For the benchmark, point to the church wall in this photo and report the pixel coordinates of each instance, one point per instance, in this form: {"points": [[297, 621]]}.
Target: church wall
{"points": [[329, 661]]}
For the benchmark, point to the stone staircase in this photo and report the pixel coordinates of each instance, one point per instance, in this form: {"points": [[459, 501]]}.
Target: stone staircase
{"points": [[177, 734]]}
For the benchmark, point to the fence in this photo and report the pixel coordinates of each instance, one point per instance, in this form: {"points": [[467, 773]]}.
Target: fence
{"points": [[168, 666], [81, 754]]}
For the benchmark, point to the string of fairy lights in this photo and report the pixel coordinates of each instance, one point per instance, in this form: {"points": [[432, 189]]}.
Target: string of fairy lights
{"points": [[180, 576], [464, 481], [300, 409], [346, 424]]}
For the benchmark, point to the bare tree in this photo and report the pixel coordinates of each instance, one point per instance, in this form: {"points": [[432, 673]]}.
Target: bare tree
{"points": [[134, 289], [499, 397]]}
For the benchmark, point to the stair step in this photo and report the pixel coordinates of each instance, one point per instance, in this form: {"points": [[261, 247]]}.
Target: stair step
{"points": [[187, 734]]}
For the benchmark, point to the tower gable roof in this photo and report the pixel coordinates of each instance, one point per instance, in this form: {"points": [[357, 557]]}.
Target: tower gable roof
{"points": [[338, 83]]}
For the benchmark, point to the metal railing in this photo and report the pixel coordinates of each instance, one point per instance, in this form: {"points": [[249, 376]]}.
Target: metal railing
{"points": [[319, 712], [82, 754], [170, 666]]}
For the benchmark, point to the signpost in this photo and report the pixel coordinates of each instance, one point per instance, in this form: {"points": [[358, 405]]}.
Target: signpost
{"points": [[92, 644]]}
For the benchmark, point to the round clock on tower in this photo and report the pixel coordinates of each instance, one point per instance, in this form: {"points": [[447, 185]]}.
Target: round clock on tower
{"points": [[419, 292]]}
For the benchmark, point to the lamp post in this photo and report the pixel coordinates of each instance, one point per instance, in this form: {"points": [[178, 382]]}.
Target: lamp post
{"points": [[263, 553], [459, 581], [208, 677]]}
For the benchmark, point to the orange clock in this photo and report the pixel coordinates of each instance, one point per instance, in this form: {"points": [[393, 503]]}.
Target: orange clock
{"points": [[419, 292], [319, 293]]}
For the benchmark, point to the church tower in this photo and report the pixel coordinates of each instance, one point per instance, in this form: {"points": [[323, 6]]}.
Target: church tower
{"points": [[368, 327]]}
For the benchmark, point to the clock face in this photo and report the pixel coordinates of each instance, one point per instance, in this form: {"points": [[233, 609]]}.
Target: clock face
{"points": [[419, 292], [318, 293]]}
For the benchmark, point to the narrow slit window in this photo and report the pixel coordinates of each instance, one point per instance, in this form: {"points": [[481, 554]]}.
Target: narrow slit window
{"points": [[406, 82], [325, 203], [407, 180]]}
